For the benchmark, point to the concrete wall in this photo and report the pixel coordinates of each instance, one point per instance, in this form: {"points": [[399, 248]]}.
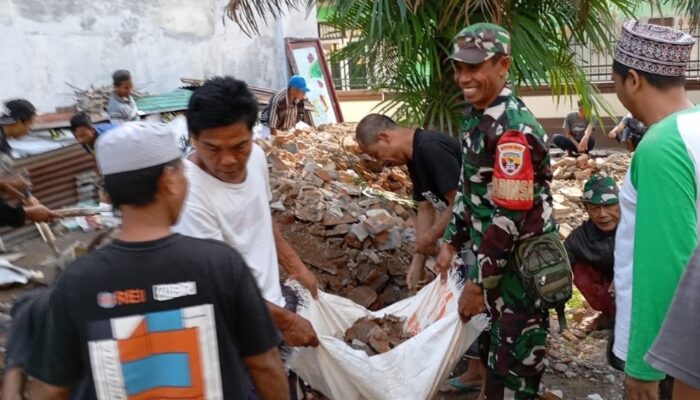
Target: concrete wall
{"points": [[354, 111], [546, 106], [44, 44]]}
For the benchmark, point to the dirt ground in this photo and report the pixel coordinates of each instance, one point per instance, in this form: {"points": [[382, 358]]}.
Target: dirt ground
{"points": [[36, 253]]}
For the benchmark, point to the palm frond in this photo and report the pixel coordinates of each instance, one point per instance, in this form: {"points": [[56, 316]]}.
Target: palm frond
{"points": [[689, 8], [407, 41], [403, 44], [247, 14]]}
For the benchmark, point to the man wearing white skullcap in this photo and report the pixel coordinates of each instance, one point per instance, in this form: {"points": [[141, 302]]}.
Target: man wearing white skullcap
{"points": [[155, 314], [659, 199]]}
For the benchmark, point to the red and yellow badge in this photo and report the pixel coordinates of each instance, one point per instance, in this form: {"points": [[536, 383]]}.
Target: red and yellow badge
{"points": [[513, 175], [510, 157]]}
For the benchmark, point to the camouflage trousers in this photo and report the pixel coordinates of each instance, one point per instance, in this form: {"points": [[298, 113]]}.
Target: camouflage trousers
{"points": [[514, 348]]}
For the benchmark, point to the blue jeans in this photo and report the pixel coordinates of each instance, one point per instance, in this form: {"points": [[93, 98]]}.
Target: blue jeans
{"points": [[568, 145]]}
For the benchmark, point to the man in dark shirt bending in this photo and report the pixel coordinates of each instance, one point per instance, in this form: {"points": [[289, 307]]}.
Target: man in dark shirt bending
{"points": [[433, 161]]}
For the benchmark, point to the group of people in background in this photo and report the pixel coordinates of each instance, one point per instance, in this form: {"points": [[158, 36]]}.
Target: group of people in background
{"points": [[579, 128], [199, 255]]}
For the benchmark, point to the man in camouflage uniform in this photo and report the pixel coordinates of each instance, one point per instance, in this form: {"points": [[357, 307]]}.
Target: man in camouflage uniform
{"points": [[496, 212], [591, 248]]}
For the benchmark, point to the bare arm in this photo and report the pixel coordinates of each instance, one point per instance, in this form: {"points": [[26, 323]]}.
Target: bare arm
{"points": [[589, 131], [280, 316], [268, 375], [13, 384], [425, 243], [435, 231], [583, 144], [616, 130], [296, 331], [39, 390], [292, 264], [443, 219]]}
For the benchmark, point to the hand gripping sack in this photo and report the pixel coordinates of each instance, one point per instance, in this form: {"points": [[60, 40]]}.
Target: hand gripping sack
{"points": [[543, 266]]}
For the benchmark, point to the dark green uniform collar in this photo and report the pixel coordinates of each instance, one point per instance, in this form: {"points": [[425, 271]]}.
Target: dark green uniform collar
{"points": [[505, 94]]}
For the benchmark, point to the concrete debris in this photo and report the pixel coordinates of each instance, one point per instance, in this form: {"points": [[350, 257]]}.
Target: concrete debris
{"points": [[574, 356], [376, 335], [379, 223], [388, 240], [363, 295], [560, 367], [317, 179], [578, 333], [570, 174], [569, 336], [93, 100], [552, 395], [579, 315]]}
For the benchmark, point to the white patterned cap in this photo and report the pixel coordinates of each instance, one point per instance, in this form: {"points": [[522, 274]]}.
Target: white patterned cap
{"points": [[134, 146], [655, 49]]}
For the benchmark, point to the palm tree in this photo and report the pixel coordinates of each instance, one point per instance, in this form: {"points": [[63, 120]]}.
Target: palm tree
{"points": [[407, 41]]}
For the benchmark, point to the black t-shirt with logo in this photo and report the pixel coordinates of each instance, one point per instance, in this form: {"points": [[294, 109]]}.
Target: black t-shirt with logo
{"points": [[170, 318], [435, 167]]}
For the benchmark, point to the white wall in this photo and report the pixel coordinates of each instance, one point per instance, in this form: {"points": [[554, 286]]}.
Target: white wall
{"points": [[547, 107], [44, 44]]}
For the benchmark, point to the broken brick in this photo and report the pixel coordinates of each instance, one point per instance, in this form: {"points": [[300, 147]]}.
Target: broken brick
{"points": [[352, 241], [363, 295], [359, 231], [323, 175], [379, 340], [331, 220], [338, 230], [392, 242]]}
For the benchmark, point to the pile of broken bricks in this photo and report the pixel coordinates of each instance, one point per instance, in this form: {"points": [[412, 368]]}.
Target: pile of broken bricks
{"points": [[357, 214]]}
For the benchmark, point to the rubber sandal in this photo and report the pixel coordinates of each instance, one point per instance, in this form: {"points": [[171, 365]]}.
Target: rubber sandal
{"points": [[460, 388]]}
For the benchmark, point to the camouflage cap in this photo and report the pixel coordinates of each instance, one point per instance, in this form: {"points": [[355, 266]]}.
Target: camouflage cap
{"points": [[479, 42], [601, 190]]}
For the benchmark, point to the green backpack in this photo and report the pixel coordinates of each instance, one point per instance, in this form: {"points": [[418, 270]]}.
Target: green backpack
{"points": [[544, 268]]}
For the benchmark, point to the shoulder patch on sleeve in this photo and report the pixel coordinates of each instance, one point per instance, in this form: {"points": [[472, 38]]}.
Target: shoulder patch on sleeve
{"points": [[513, 174]]}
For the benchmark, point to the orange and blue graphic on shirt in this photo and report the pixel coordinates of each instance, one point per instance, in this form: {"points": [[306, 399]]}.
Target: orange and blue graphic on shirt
{"points": [[155, 355]]}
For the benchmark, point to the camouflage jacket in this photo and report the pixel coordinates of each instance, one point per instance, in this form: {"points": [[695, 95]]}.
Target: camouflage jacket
{"points": [[494, 231]]}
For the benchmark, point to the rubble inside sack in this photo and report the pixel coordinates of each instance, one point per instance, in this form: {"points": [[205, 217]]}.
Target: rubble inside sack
{"points": [[376, 335]]}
